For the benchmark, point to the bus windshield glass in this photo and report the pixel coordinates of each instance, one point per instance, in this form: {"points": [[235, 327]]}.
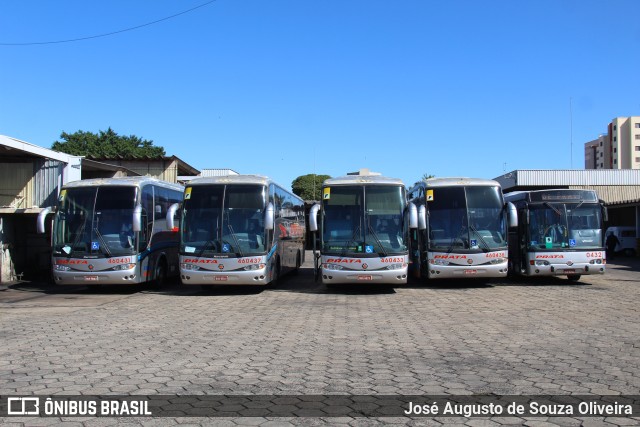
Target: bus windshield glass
{"points": [[364, 220], [95, 221], [223, 220], [466, 218], [565, 226]]}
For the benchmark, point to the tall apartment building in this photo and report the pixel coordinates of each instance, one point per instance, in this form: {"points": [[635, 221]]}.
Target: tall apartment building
{"points": [[618, 149]]}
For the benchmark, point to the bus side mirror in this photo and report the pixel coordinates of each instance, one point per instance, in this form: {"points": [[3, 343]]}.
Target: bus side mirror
{"points": [[269, 217], [512, 215], [422, 217], [313, 217], [171, 213], [137, 219], [605, 214], [412, 213], [42, 217]]}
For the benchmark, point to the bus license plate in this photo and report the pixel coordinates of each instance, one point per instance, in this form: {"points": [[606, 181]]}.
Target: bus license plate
{"points": [[569, 271], [91, 278], [362, 277], [221, 278], [470, 271]]}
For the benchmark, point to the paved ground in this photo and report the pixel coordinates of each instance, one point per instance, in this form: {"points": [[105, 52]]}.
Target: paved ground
{"points": [[534, 337]]}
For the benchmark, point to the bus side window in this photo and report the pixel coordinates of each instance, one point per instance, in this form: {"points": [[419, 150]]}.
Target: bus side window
{"points": [[147, 216]]}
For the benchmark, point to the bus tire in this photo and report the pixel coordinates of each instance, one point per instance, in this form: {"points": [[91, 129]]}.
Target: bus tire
{"points": [[160, 273], [298, 264], [276, 273], [573, 277]]}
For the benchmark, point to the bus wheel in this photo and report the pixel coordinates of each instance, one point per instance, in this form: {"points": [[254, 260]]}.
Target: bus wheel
{"points": [[161, 273], [573, 277], [298, 264], [276, 273]]}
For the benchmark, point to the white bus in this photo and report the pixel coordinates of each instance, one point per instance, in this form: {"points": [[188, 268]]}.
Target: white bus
{"points": [[239, 230], [113, 231], [363, 230], [462, 229], [559, 233]]}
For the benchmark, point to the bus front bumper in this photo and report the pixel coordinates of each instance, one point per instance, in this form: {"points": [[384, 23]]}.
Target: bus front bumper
{"points": [[467, 272], [252, 277], [393, 277], [122, 277], [564, 269]]}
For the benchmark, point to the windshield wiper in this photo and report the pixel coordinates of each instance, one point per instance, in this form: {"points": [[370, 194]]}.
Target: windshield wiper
{"points": [[556, 210], [103, 243], [235, 240], [78, 237], [460, 233], [375, 236], [484, 243], [356, 232], [208, 244]]}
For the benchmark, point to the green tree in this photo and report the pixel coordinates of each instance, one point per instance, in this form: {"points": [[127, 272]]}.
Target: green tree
{"points": [[105, 144], [309, 187], [425, 177]]}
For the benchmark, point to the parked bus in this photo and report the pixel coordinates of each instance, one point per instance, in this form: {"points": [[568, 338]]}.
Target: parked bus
{"points": [[462, 229], [363, 230], [559, 233], [240, 230], [113, 231]]}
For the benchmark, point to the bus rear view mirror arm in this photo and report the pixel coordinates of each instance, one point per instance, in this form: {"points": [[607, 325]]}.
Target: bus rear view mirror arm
{"points": [[413, 215], [269, 217], [42, 216], [171, 212], [137, 218], [313, 217], [512, 215]]}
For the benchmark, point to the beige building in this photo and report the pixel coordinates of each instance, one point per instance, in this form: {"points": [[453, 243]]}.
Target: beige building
{"points": [[618, 149]]}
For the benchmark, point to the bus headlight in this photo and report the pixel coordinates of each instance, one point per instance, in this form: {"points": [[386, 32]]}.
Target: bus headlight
{"points": [[498, 261], [595, 261], [254, 267], [59, 267], [333, 267], [541, 262], [439, 262], [123, 267], [190, 267]]}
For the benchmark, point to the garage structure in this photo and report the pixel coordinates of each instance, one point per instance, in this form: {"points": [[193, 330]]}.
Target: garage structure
{"points": [[30, 180]]}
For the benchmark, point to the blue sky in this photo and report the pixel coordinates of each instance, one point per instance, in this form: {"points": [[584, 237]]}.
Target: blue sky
{"points": [[286, 88]]}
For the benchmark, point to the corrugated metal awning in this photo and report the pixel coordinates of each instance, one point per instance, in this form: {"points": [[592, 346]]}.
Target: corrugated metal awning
{"points": [[614, 195]]}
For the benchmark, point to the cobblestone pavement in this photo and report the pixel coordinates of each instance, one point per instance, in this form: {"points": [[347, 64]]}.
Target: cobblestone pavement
{"points": [[530, 337]]}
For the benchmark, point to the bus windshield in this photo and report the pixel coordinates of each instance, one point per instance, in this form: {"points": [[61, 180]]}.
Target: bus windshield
{"points": [[565, 225], [95, 221], [223, 220], [364, 220], [466, 218]]}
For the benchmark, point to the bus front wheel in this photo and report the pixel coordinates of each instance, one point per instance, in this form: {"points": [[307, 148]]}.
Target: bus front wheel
{"points": [[573, 277], [161, 273]]}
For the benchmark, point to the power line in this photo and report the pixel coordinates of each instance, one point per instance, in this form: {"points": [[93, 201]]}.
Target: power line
{"points": [[111, 33]]}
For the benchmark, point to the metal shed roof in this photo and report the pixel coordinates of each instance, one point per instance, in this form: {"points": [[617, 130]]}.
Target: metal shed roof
{"points": [[614, 186], [565, 177]]}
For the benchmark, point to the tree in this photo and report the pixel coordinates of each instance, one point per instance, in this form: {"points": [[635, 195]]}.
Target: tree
{"points": [[425, 177], [106, 144], [309, 187]]}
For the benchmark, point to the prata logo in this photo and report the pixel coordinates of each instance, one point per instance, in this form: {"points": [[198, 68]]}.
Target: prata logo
{"points": [[23, 406]]}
